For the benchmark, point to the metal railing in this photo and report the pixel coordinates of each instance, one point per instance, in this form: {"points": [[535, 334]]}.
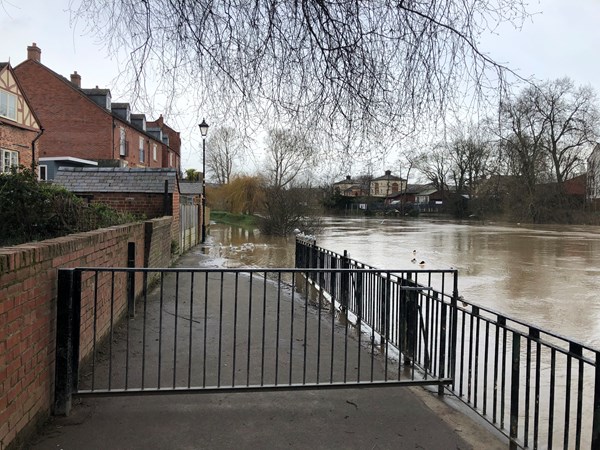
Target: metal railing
{"points": [[539, 389], [132, 331]]}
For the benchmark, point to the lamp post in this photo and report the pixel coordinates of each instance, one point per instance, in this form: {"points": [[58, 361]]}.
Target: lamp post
{"points": [[203, 131]]}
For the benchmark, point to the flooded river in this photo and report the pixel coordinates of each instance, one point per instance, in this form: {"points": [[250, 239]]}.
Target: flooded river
{"points": [[548, 276]]}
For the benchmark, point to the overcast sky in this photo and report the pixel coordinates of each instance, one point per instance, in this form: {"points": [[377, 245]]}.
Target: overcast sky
{"points": [[562, 40]]}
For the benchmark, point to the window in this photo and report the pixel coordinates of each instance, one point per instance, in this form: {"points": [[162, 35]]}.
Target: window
{"points": [[141, 149], [9, 159], [376, 189], [43, 173], [170, 159], [394, 187], [154, 152], [122, 142], [8, 105]]}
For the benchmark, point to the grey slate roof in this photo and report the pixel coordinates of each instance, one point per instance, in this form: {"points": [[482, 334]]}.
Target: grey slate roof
{"points": [[96, 91], [190, 187], [389, 177], [116, 179]]}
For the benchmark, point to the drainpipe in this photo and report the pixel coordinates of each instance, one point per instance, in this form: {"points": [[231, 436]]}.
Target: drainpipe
{"points": [[39, 135]]}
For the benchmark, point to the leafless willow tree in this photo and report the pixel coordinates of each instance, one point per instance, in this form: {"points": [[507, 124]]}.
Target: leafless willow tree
{"points": [[339, 67], [223, 149]]}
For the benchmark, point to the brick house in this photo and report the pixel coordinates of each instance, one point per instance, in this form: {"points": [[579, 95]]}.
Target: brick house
{"points": [[86, 124], [171, 139], [593, 178], [387, 185], [20, 128], [349, 187]]}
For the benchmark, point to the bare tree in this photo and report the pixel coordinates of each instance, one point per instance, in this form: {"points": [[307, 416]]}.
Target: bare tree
{"points": [[548, 129], [470, 154], [569, 116], [339, 67], [224, 146], [435, 165], [289, 155], [521, 142]]}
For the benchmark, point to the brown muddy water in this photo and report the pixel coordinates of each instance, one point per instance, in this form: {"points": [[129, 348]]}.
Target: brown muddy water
{"points": [[548, 276]]}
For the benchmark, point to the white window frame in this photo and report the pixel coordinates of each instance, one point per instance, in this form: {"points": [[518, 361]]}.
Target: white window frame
{"points": [[8, 105], [43, 168], [142, 150], [170, 159], [8, 159], [154, 152], [122, 142]]}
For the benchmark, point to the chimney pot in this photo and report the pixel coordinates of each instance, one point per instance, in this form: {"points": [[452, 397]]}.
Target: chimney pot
{"points": [[34, 52], [76, 79]]}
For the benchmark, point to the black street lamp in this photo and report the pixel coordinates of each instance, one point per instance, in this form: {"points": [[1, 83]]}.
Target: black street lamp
{"points": [[203, 131]]}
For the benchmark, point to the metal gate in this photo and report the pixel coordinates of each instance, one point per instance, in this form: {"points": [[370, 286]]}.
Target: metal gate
{"points": [[128, 331]]}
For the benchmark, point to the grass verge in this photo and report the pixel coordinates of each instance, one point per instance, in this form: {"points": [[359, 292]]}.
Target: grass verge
{"points": [[241, 220]]}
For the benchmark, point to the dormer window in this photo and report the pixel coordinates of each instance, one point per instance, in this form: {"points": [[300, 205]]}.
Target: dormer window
{"points": [[108, 101], [8, 105]]}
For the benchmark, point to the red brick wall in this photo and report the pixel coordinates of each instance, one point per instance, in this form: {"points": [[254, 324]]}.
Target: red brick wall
{"points": [[28, 280], [18, 139], [149, 205]]}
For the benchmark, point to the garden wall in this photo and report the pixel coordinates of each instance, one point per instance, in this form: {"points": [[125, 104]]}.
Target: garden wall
{"points": [[28, 281]]}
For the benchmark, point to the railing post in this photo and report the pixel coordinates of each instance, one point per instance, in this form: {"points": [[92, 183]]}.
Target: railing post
{"points": [[410, 319], [514, 390], [131, 279], [333, 280], [345, 281], [314, 258], [297, 255], [453, 329], [359, 296], [596, 417], [68, 307], [442, 360], [384, 309]]}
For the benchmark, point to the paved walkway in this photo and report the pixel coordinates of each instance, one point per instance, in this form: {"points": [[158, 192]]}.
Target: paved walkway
{"points": [[367, 418]]}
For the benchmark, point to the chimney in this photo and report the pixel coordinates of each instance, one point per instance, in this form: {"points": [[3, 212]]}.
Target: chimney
{"points": [[388, 172], [348, 178], [76, 79], [34, 52]]}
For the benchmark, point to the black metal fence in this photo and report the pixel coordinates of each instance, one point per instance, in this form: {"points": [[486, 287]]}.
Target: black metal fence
{"points": [[132, 331], [539, 389]]}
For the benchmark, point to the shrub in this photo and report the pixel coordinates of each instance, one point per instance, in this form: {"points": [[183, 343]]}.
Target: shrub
{"points": [[31, 210]]}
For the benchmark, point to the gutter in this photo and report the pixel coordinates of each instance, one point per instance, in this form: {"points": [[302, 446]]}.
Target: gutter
{"points": [[39, 135]]}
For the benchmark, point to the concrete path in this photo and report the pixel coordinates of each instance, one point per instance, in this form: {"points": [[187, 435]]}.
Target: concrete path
{"points": [[366, 418]]}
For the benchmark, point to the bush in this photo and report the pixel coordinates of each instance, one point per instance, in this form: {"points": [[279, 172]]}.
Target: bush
{"points": [[287, 210], [31, 210]]}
